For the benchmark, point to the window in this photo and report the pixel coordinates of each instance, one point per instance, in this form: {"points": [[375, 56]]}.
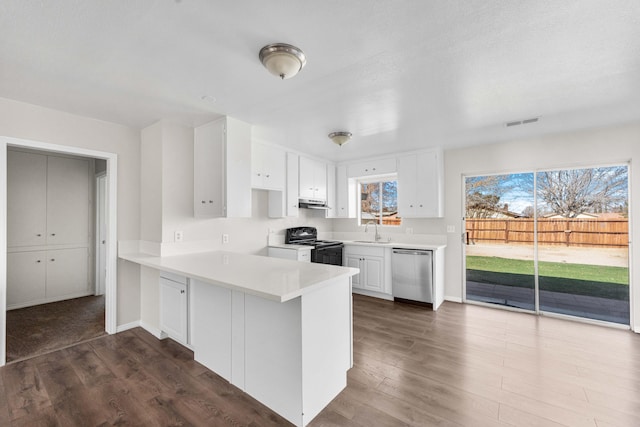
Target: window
{"points": [[379, 202]]}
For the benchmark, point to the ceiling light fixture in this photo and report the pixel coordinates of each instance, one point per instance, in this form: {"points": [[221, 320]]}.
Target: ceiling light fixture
{"points": [[340, 138], [282, 60]]}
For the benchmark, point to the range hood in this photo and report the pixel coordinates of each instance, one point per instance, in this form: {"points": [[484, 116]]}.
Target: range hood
{"points": [[313, 204]]}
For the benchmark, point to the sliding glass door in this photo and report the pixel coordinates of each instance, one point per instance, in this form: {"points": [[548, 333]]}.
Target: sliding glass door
{"points": [[583, 242], [570, 226], [499, 240]]}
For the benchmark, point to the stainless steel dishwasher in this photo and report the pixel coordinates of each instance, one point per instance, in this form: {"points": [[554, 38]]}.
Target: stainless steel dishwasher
{"points": [[412, 275]]}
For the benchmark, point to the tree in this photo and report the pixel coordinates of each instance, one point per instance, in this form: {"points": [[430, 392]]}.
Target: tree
{"points": [[483, 195], [571, 192]]}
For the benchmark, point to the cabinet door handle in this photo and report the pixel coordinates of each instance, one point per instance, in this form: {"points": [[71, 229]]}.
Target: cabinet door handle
{"points": [[38, 260], [410, 206], [268, 175], [39, 235], [53, 259], [420, 205], [182, 291], [53, 234], [203, 201], [210, 201]]}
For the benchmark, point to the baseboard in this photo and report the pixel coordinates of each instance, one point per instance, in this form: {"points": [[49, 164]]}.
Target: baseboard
{"points": [[453, 299], [372, 294], [153, 330], [127, 326]]}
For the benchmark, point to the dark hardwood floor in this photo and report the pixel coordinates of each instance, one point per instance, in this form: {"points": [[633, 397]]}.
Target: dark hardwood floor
{"points": [[36, 330], [464, 365]]}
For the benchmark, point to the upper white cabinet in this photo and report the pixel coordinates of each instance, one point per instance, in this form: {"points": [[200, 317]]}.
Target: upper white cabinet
{"points": [[291, 207], [420, 185], [222, 169], [345, 190], [332, 212], [47, 200], [267, 167], [313, 179], [372, 167]]}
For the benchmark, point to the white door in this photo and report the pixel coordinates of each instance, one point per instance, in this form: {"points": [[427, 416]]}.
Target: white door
{"points": [[101, 234], [353, 261], [67, 201], [373, 267], [67, 274], [26, 272], [26, 199]]}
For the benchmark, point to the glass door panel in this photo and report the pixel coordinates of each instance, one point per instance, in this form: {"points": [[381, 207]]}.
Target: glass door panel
{"points": [[499, 240], [583, 235]]}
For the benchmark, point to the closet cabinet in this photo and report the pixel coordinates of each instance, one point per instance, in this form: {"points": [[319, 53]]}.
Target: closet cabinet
{"points": [[47, 200], [48, 217], [222, 169], [38, 277]]}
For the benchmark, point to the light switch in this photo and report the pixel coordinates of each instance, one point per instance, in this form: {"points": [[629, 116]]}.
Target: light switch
{"points": [[451, 228]]}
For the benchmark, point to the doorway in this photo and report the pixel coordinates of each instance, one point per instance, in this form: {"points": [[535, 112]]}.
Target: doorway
{"points": [[111, 226], [550, 241]]}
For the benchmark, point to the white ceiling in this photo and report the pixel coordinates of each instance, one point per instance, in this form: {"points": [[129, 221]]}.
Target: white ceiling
{"points": [[399, 75]]}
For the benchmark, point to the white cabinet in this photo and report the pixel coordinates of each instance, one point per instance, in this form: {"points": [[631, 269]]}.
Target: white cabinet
{"points": [[372, 167], [26, 199], [222, 169], [295, 254], [345, 190], [37, 277], [48, 216], [267, 167], [292, 195], [332, 212], [313, 179], [371, 262], [47, 200], [420, 185], [174, 307]]}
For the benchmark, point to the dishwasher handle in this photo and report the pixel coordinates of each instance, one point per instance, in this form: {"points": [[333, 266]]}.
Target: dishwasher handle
{"points": [[412, 251]]}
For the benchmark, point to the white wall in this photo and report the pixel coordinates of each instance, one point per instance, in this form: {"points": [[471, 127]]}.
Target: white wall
{"points": [[585, 148], [26, 121]]}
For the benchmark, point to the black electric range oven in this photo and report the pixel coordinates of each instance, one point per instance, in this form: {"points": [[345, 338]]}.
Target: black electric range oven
{"points": [[323, 252]]}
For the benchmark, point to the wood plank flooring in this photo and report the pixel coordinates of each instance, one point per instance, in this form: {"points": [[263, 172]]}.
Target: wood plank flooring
{"points": [[36, 330], [462, 366]]}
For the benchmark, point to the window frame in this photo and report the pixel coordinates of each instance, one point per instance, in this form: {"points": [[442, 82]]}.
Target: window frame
{"points": [[379, 179]]}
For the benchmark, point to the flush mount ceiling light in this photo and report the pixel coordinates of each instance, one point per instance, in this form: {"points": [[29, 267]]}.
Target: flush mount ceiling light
{"points": [[340, 138], [282, 60]]}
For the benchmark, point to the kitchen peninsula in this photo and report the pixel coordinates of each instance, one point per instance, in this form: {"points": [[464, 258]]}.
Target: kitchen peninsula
{"points": [[280, 330]]}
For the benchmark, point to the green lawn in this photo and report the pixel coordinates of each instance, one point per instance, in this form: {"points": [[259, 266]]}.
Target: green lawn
{"points": [[579, 279]]}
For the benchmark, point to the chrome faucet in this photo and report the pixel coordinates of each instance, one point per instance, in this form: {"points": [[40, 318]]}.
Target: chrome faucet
{"points": [[366, 228]]}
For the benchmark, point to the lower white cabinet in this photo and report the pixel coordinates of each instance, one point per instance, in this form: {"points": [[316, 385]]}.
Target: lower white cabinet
{"points": [[38, 277], [371, 262], [290, 253], [174, 306]]}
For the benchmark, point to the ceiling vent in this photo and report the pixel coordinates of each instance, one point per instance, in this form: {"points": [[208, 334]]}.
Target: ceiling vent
{"points": [[522, 122]]}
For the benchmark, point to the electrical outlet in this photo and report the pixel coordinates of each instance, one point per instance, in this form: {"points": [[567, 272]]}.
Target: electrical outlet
{"points": [[409, 230], [178, 236], [225, 238], [451, 228]]}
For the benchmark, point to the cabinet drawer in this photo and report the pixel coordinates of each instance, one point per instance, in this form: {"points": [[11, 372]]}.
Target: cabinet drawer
{"points": [[374, 167], [363, 250]]}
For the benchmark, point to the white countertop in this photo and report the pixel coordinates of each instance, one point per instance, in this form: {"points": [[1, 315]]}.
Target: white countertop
{"points": [[292, 246], [401, 245], [271, 278]]}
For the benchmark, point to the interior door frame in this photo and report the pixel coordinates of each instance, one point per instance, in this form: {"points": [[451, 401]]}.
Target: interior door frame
{"points": [[111, 223], [100, 216]]}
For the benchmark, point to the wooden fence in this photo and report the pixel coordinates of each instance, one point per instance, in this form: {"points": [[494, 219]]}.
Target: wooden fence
{"points": [[568, 232]]}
